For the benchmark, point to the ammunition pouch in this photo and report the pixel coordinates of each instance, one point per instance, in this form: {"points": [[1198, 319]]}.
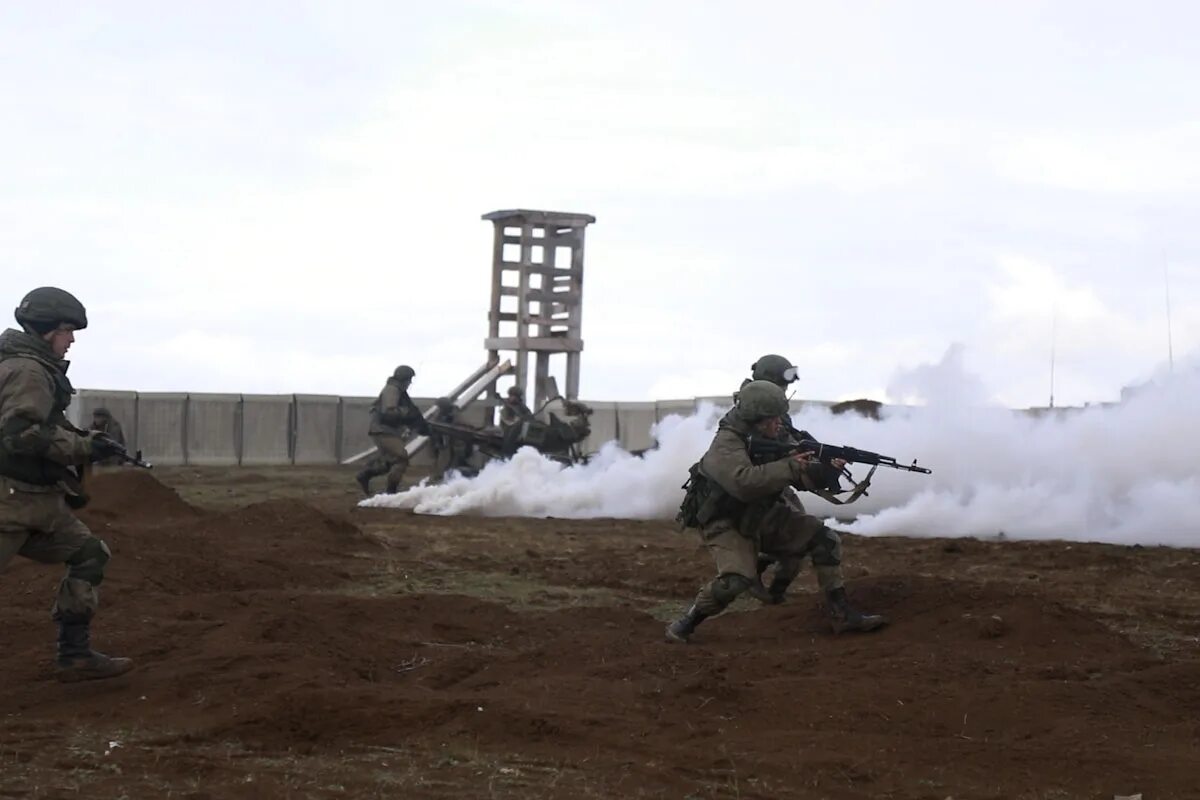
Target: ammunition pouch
{"points": [[705, 501]]}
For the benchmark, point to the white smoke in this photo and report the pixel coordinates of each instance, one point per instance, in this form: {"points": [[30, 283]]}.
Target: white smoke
{"points": [[1127, 473]]}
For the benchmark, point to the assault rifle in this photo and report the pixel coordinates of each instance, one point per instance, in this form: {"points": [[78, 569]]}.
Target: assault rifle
{"points": [[764, 450], [117, 451]]}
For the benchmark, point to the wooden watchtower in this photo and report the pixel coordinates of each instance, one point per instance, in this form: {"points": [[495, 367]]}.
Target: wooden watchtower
{"points": [[537, 295]]}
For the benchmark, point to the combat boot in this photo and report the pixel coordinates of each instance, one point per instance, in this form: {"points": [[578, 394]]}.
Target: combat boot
{"points": [[681, 629], [364, 480], [393, 487], [844, 617], [77, 661], [777, 591]]}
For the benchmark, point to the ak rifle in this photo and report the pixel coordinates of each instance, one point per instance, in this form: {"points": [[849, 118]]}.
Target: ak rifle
{"points": [[765, 450], [114, 449]]}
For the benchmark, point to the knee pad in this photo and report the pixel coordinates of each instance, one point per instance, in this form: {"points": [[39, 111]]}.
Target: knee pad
{"points": [[87, 563], [727, 587], [827, 549]]}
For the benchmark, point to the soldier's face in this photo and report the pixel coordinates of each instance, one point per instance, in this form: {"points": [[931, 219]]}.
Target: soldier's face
{"points": [[61, 339], [771, 426]]}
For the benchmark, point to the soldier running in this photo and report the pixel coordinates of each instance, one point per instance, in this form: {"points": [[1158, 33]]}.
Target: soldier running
{"points": [[394, 416], [38, 489], [740, 511]]}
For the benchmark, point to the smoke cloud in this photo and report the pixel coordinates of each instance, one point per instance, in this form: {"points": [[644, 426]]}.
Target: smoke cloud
{"points": [[1127, 473]]}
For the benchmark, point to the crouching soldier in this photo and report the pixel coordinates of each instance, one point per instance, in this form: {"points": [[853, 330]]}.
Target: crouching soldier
{"points": [[740, 510], [38, 447]]}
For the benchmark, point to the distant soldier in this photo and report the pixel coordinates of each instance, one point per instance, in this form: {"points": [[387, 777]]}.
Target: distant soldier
{"points": [[38, 449], [103, 422], [450, 453], [394, 417], [513, 410], [740, 511]]}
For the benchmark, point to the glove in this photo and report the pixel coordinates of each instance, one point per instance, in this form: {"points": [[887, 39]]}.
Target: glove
{"points": [[104, 446], [422, 426]]}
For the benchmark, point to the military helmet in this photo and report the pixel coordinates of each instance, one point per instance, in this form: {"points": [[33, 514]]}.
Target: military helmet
{"points": [[47, 307], [101, 411], [404, 373], [776, 369], [515, 392], [761, 399], [444, 404]]}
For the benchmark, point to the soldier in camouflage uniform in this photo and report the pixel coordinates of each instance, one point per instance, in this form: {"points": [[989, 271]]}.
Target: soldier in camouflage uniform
{"points": [[741, 511], [38, 487], [779, 371], [394, 417]]}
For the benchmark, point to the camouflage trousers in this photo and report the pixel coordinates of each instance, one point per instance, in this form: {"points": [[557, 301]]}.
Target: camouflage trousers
{"points": [[392, 458], [36, 523], [786, 536]]}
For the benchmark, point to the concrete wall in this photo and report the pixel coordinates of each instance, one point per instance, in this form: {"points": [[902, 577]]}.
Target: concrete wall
{"points": [[604, 426], [317, 431], [634, 421], [161, 427], [214, 428], [313, 429], [267, 428]]}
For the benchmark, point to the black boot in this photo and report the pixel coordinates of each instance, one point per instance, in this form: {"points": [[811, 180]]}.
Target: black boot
{"points": [[364, 480], [777, 591], [843, 617], [77, 661], [393, 487], [681, 629]]}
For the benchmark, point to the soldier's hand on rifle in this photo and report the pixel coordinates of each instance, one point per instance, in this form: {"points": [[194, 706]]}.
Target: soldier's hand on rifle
{"points": [[803, 458], [104, 446], [838, 463]]}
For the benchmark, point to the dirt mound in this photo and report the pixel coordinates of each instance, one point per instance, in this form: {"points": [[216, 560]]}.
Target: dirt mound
{"points": [[134, 495], [277, 544]]}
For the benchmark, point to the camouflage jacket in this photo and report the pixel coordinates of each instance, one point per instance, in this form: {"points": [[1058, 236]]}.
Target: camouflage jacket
{"points": [[36, 441], [752, 488], [394, 412]]}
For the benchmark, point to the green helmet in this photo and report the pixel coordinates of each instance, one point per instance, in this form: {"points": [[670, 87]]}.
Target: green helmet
{"points": [[404, 373], [773, 368], [761, 399], [45, 308]]}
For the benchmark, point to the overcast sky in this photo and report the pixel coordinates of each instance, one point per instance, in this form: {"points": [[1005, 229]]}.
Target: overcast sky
{"points": [[285, 197]]}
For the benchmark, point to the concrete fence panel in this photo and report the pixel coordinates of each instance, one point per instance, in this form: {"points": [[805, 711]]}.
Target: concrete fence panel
{"points": [[604, 426], [122, 406], [214, 428], [317, 431], [682, 408], [161, 424], [266, 428], [720, 401], [634, 421], [356, 419]]}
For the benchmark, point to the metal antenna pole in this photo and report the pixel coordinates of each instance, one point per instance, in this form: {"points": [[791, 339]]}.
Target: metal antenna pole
{"points": [[1167, 287], [1053, 348]]}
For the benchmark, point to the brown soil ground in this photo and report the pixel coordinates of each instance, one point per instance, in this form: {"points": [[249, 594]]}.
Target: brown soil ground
{"points": [[291, 646]]}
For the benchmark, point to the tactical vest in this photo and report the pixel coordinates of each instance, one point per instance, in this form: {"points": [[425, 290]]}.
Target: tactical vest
{"points": [[36, 469]]}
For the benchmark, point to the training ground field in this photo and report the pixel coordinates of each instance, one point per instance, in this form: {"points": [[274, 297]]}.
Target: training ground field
{"points": [[289, 645]]}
